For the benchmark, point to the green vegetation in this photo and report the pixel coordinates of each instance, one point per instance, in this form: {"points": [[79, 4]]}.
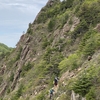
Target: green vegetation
{"points": [[91, 94], [12, 77], [45, 42], [85, 83], [90, 18], [71, 63], [51, 25], [4, 50], [1, 79], [80, 29], [26, 68], [82, 85], [41, 96], [90, 42], [18, 93]]}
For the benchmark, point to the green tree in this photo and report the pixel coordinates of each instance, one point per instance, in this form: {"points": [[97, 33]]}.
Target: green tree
{"points": [[51, 25], [82, 85], [91, 95]]}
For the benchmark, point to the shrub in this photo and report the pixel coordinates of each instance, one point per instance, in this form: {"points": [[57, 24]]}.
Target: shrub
{"points": [[89, 48], [52, 67], [52, 59], [82, 85], [63, 18], [66, 4], [53, 11], [26, 68], [1, 79], [42, 65], [12, 77], [41, 96], [30, 31], [17, 57], [80, 29], [51, 25], [90, 42], [72, 62], [45, 43], [8, 90], [90, 17], [64, 97], [42, 17], [91, 94], [47, 54], [70, 21], [1, 98], [18, 93], [63, 64]]}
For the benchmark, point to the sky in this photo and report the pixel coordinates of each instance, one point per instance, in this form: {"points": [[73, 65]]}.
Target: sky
{"points": [[15, 16]]}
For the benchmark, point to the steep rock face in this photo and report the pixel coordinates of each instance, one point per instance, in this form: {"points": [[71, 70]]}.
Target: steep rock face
{"points": [[75, 96], [75, 21], [98, 27], [3, 89], [2, 70]]}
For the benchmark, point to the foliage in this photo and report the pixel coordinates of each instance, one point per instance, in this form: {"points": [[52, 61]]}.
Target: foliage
{"points": [[82, 85], [12, 77], [58, 8], [53, 11], [52, 67], [63, 64], [64, 97], [18, 93], [41, 96], [91, 94], [30, 31], [42, 17], [51, 25], [90, 18], [1, 79], [8, 90], [45, 43], [80, 29], [26, 68], [72, 62], [19, 54], [90, 1], [41, 65], [66, 4], [4, 50], [1, 98], [63, 18], [52, 60], [86, 82], [90, 42]]}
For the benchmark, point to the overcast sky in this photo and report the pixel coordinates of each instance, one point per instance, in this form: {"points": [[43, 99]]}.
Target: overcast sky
{"points": [[15, 15]]}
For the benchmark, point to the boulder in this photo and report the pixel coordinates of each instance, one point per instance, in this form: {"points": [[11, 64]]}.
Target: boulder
{"points": [[98, 27]]}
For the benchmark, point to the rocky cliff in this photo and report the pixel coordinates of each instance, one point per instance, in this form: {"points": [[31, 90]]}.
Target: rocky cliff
{"points": [[63, 41]]}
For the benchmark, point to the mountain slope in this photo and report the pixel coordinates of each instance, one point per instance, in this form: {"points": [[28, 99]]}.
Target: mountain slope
{"points": [[63, 41]]}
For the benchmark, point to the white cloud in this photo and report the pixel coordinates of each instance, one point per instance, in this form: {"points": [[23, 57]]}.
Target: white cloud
{"points": [[23, 5]]}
